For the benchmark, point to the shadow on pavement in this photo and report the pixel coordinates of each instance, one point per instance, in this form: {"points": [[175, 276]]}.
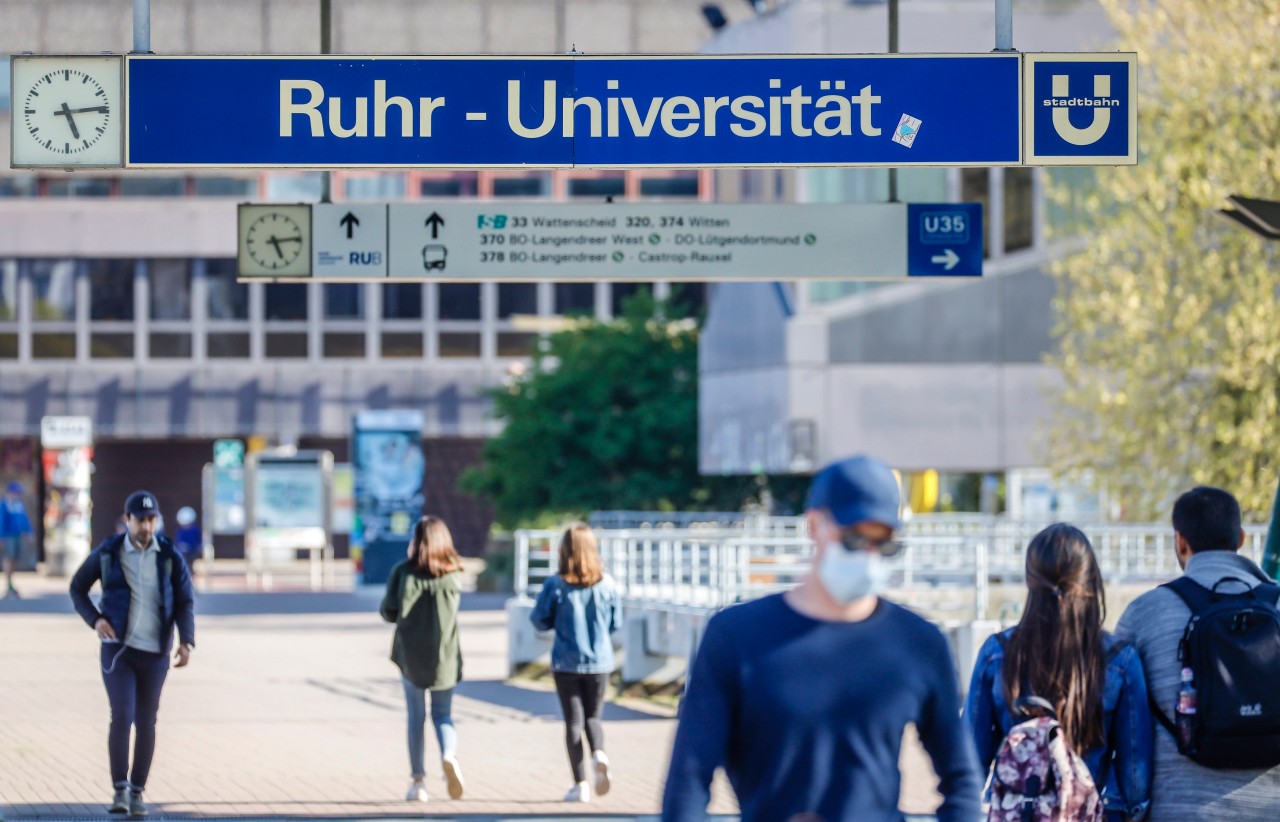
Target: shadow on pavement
{"points": [[256, 603], [62, 812], [537, 702]]}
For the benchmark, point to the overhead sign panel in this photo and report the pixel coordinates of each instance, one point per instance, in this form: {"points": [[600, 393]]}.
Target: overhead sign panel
{"points": [[1081, 109], [560, 112], [349, 240], [472, 241]]}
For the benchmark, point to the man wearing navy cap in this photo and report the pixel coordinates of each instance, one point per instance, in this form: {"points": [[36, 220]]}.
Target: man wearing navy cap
{"points": [[803, 697], [146, 593]]}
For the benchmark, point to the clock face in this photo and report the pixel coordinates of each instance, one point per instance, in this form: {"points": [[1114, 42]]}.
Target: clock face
{"points": [[274, 240], [67, 111]]}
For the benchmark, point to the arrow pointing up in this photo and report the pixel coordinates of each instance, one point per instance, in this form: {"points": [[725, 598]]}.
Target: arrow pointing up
{"points": [[434, 222], [350, 221], [948, 259]]}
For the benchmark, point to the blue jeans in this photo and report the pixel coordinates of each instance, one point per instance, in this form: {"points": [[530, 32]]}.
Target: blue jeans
{"points": [[133, 680], [415, 700]]}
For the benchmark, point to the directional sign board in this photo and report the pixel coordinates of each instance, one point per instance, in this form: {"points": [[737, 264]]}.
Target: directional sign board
{"points": [[349, 240], [471, 241]]}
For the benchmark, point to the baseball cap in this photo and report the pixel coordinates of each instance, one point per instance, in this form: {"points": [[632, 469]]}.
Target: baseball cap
{"points": [[857, 489], [142, 504], [15, 487]]}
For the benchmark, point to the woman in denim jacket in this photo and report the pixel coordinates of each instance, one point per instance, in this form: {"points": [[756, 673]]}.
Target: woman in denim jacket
{"points": [[1059, 651], [581, 605]]}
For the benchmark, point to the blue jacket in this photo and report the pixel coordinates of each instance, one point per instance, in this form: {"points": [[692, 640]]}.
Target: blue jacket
{"points": [[582, 617], [177, 597], [1122, 763]]}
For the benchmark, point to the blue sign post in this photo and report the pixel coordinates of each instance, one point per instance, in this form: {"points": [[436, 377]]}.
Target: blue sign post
{"points": [[944, 240], [561, 112]]}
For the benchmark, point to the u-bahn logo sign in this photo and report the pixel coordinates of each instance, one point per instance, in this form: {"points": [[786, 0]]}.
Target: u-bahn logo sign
{"points": [[594, 112]]}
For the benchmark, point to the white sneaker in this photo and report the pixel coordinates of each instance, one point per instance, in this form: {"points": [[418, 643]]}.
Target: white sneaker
{"points": [[603, 783], [453, 775], [581, 792], [417, 792]]}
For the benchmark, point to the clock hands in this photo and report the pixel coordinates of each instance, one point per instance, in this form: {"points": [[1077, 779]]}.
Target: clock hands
{"points": [[65, 111], [275, 242]]}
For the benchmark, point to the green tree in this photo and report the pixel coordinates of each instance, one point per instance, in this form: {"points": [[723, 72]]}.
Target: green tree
{"points": [[605, 418], [1168, 317]]}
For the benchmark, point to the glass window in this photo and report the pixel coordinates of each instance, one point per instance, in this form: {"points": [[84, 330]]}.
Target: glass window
{"points": [[83, 187], [622, 292], [344, 344], [165, 346], [8, 290], [170, 290], [53, 346], [463, 184], [344, 301], [111, 346], [459, 345], [4, 85], [682, 186], [286, 301], [575, 298], [228, 299], [401, 344], [295, 188], [8, 346], [375, 187], [222, 345], [53, 288], [459, 301], [17, 186], [517, 298], [515, 344], [1019, 209], [534, 186], [152, 186], [973, 189], [225, 187], [612, 185], [286, 346], [111, 287], [402, 301]]}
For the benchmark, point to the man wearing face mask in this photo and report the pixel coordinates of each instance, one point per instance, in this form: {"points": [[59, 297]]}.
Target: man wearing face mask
{"points": [[146, 594], [803, 697]]}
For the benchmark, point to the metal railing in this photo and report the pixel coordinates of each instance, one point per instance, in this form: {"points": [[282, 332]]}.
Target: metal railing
{"points": [[947, 569]]}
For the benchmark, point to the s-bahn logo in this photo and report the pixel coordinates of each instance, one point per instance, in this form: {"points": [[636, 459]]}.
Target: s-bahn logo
{"points": [[1081, 109]]}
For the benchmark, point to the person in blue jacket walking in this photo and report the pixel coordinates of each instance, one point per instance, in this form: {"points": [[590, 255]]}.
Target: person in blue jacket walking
{"points": [[15, 526], [146, 593], [581, 604], [1058, 651]]}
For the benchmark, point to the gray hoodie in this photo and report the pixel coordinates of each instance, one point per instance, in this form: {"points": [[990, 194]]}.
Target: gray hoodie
{"points": [[1181, 789]]}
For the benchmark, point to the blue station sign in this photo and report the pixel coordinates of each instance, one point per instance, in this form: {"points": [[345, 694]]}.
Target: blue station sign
{"points": [[944, 239], [575, 111]]}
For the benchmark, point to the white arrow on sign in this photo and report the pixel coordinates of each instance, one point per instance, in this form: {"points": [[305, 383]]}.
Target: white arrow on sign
{"points": [[948, 260]]}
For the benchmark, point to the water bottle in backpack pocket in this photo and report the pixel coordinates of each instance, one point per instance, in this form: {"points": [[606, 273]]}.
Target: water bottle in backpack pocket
{"points": [[1038, 777], [1230, 650]]}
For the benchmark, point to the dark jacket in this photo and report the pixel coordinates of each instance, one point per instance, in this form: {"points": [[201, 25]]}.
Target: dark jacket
{"points": [[177, 597], [425, 612]]}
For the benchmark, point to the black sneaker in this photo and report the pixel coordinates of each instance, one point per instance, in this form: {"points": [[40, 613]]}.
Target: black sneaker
{"points": [[137, 810], [120, 801]]}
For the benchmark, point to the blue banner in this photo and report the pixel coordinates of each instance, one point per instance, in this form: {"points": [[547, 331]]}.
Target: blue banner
{"points": [[457, 112]]}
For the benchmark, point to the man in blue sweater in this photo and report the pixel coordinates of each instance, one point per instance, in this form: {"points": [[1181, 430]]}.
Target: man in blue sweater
{"points": [[803, 697]]}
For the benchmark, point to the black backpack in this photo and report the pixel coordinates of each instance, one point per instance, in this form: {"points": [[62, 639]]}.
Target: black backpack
{"points": [[1232, 646]]}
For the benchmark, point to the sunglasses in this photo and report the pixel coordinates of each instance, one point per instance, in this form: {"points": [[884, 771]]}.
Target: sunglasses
{"points": [[887, 548]]}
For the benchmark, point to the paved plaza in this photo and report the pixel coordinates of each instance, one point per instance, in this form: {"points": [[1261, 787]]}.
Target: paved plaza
{"points": [[290, 707]]}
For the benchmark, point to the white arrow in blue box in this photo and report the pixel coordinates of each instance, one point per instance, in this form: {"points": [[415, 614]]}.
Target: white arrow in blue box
{"points": [[561, 112], [944, 240]]}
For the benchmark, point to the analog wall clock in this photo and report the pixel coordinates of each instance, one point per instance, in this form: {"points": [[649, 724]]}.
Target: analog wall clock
{"points": [[275, 240], [67, 112]]}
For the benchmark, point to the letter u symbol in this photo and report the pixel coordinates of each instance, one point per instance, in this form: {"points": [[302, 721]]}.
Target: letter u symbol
{"points": [[1101, 116]]}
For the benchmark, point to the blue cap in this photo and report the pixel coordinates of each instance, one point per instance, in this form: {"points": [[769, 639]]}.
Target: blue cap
{"points": [[142, 504], [858, 489], [15, 487]]}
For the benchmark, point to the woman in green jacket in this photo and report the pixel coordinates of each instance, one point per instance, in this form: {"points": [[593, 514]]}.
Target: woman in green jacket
{"points": [[422, 598]]}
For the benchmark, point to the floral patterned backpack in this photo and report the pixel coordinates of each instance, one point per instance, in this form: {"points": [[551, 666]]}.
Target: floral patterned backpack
{"points": [[1038, 777]]}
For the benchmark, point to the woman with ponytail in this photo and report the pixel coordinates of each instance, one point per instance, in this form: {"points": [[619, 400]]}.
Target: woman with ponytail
{"points": [[1058, 651]]}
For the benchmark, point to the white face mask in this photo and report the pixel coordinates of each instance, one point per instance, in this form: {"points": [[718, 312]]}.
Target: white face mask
{"points": [[851, 575]]}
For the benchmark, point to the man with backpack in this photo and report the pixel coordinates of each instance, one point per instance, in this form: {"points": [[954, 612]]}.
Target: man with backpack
{"points": [[146, 593], [1210, 644]]}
